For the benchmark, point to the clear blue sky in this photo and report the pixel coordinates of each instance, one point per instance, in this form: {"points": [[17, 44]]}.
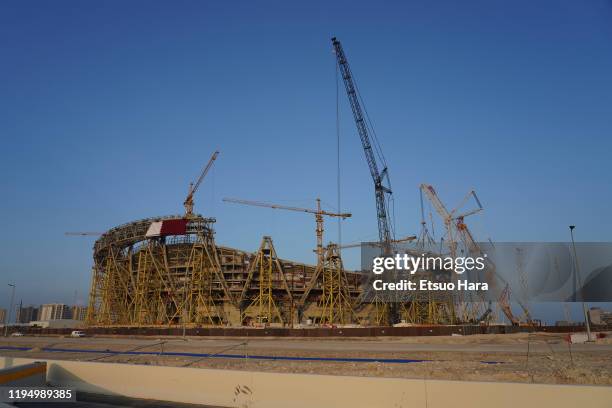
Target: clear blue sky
{"points": [[109, 109]]}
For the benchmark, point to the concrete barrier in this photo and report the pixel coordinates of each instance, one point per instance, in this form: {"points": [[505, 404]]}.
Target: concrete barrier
{"points": [[378, 331], [246, 389], [32, 374]]}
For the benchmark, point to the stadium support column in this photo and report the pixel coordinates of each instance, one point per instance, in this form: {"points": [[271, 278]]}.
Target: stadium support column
{"points": [[336, 304]]}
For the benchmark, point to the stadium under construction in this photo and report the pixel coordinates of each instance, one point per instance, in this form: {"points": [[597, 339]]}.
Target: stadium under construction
{"points": [[168, 271]]}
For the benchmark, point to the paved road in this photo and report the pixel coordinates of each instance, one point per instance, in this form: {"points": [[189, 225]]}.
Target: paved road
{"points": [[207, 345]]}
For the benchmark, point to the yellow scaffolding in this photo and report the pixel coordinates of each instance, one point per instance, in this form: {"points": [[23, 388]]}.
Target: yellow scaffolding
{"points": [[265, 273], [160, 280], [336, 305]]}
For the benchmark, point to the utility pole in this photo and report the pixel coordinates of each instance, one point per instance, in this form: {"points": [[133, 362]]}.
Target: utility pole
{"points": [[19, 315], [577, 274], [8, 319]]}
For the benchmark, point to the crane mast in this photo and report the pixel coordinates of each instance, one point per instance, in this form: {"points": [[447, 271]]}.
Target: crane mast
{"points": [[384, 230]]}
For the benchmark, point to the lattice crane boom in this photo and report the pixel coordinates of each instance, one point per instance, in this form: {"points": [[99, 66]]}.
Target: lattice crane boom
{"points": [[504, 304], [450, 217], [384, 229], [193, 187], [441, 209], [284, 207], [318, 213], [431, 194], [456, 222], [395, 241]]}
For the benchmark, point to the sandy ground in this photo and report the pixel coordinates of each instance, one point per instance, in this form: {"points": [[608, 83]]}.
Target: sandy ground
{"points": [[536, 357]]}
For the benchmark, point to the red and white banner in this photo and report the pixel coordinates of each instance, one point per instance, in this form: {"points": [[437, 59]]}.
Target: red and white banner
{"points": [[167, 227]]}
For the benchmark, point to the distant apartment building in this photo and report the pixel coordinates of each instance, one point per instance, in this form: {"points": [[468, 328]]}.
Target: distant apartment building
{"points": [[79, 312], [54, 311], [26, 314], [3, 316]]}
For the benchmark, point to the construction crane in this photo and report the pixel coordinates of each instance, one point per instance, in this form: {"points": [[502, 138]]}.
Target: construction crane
{"points": [[504, 304], [193, 187], [73, 233], [504, 298], [384, 230], [457, 229], [520, 266], [318, 213], [395, 241], [426, 239], [453, 222]]}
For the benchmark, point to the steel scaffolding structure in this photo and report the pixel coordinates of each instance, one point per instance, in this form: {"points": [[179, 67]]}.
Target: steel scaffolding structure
{"points": [[155, 280], [168, 271], [336, 303], [145, 276], [267, 277]]}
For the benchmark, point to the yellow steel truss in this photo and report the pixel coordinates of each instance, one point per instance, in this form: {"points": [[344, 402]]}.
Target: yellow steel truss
{"points": [[265, 274], [336, 305]]}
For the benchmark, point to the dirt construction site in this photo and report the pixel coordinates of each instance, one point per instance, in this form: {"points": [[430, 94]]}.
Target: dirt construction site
{"points": [[544, 358]]}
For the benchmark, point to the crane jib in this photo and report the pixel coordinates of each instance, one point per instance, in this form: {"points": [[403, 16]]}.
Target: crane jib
{"points": [[384, 230]]}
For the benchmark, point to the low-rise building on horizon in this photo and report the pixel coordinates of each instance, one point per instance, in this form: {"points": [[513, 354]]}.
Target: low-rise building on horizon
{"points": [[26, 314], [79, 312], [54, 311]]}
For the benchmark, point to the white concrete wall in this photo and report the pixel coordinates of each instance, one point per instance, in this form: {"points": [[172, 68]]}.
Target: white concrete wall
{"points": [[229, 388], [58, 323]]}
